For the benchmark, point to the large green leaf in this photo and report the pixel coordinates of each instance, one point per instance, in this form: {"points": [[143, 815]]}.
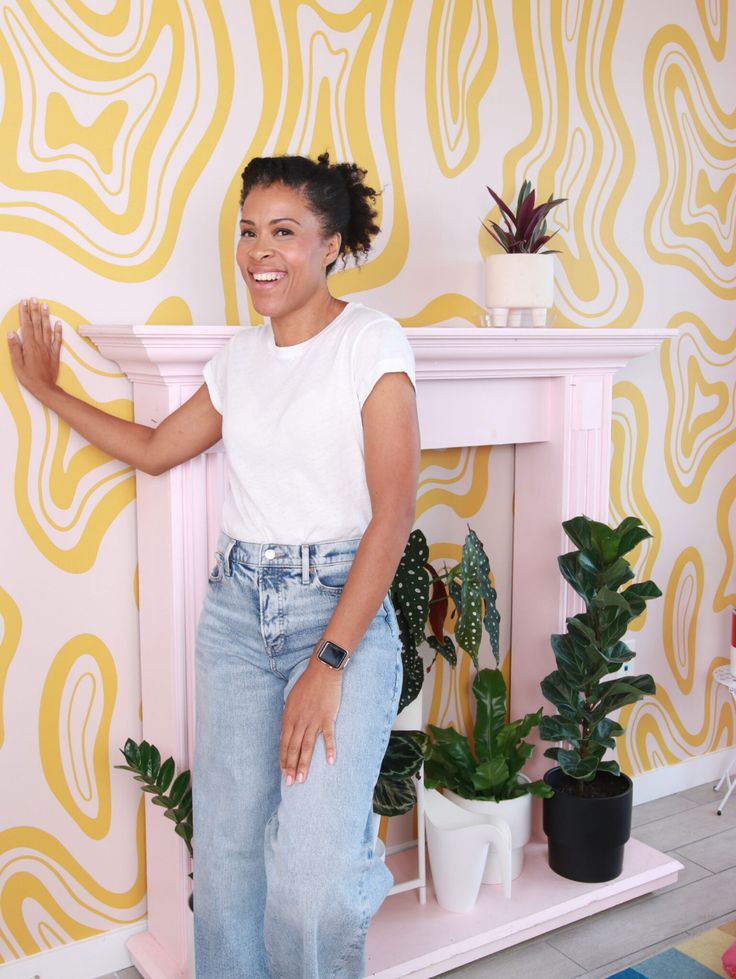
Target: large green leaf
{"points": [[556, 728], [489, 690], [620, 692], [411, 584], [490, 776]]}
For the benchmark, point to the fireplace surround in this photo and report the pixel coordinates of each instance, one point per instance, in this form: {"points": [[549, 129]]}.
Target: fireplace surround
{"points": [[546, 391]]}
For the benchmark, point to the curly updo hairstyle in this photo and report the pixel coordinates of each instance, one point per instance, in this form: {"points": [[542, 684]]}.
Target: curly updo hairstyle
{"points": [[334, 192]]}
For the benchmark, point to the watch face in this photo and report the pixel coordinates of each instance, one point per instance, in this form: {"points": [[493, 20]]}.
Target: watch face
{"points": [[332, 654]]}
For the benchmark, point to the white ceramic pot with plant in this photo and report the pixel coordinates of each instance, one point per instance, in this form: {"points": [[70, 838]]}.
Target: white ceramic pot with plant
{"points": [[517, 814], [486, 779], [522, 277]]}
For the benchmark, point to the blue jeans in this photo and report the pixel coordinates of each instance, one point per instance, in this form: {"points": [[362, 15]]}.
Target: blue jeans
{"points": [[285, 877]]}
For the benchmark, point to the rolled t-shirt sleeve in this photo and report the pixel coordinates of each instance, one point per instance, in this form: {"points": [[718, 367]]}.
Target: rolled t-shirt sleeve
{"points": [[382, 348], [215, 375]]}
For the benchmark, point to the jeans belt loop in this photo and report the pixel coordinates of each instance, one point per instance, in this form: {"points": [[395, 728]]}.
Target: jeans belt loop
{"points": [[226, 557], [305, 564]]}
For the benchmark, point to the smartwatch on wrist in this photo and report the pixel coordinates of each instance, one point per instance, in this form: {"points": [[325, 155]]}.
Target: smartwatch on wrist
{"points": [[333, 655]]}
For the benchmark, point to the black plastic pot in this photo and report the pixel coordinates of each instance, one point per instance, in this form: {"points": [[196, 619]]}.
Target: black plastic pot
{"points": [[586, 836]]}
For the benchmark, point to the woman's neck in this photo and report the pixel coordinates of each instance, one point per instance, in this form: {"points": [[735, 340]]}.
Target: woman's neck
{"points": [[307, 321]]}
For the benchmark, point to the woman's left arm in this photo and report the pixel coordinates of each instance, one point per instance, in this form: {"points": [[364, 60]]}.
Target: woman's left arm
{"points": [[391, 445]]}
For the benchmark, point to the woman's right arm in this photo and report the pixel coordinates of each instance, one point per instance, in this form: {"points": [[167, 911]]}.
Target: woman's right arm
{"points": [[194, 427]]}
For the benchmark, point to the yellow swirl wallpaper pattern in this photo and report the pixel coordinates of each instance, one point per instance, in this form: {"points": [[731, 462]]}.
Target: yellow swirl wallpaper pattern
{"points": [[124, 130]]}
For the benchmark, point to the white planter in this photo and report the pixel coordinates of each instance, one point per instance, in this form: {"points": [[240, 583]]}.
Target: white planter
{"points": [[517, 813], [517, 282], [410, 718], [378, 844], [458, 841]]}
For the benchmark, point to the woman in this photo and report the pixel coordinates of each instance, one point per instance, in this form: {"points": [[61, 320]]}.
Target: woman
{"points": [[298, 654]]}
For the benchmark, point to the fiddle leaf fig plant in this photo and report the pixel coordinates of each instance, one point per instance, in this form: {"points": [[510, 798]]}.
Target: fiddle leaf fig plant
{"points": [[526, 227], [583, 688]]}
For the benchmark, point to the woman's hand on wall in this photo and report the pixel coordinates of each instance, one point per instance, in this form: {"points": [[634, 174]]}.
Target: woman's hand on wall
{"points": [[35, 355], [310, 710]]}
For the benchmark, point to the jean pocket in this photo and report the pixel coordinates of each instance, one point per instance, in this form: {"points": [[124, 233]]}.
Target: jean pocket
{"points": [[331, 577], [217, 572]]}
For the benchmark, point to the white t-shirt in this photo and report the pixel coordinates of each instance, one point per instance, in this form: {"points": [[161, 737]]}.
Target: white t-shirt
{"points": [[292, 427]]}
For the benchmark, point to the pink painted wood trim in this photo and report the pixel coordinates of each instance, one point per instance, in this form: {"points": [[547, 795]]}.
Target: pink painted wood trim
{"points": [[404, 940], [547, 391]]}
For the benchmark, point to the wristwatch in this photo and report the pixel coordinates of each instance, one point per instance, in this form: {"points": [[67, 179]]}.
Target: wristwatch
{"points": [[333, 655]]}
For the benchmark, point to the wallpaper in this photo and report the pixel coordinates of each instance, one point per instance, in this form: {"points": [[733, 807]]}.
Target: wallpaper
{"points": [[125, 125]]}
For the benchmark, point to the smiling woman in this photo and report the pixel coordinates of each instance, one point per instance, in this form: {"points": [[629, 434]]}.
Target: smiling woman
{"points": [[317, 413]]}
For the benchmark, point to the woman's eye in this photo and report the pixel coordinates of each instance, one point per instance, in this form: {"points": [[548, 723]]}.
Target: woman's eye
{"points": [[283, 231], [246, 233]]}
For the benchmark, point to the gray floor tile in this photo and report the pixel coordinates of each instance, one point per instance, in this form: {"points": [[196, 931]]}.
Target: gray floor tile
{"points": [[623, 931], [675, 832], [715, 853], [634, 958], [130, 973], [669, 805], [692, 871], [531, 959], [705, 795]]}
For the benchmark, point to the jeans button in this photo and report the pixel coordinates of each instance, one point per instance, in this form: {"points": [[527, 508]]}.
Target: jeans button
{"points": [[269, 553]]}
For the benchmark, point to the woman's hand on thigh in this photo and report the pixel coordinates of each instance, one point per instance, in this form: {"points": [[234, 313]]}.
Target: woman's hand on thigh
{"points": [[310, 710]]}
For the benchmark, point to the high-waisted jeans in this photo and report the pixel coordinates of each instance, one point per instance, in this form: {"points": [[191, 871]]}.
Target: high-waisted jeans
{"points": [[286, 880]]}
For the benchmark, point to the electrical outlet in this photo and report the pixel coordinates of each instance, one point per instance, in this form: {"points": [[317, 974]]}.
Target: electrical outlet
{"points": [[630, 640]]}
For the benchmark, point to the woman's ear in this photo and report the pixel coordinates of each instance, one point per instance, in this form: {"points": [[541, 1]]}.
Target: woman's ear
{"points": [[333, 244]]}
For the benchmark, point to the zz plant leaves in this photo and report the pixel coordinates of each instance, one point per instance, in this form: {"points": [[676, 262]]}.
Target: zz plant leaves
{"points": [[144, 760], [582, 688]]}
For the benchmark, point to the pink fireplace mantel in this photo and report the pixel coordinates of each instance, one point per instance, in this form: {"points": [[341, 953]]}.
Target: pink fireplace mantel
{"points": [[548, 391]]}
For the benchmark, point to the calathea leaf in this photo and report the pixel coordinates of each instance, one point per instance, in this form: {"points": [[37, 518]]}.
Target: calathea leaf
{"points": [[394, 798], [403, 757]]}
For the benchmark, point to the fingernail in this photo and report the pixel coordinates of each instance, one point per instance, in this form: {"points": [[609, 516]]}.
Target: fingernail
{"points": [[44, 307], [34, 300], [289, 779], [300, 777], [331, 760]]}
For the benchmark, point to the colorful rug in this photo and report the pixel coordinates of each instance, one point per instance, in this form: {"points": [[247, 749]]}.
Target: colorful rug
{"points": [[696, 958]]}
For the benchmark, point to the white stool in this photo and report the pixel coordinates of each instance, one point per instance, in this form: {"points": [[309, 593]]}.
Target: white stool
{"points": [[723, 675]]}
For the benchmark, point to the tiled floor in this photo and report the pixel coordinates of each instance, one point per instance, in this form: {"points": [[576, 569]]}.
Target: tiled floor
{"points": [[685, 825]]}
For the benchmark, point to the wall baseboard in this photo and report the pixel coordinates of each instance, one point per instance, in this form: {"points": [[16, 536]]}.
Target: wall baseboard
{"points": [[86, 959], [677, 778]]}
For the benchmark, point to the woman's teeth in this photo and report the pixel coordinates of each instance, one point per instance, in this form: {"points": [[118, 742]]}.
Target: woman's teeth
{"points": [[268, 276]]}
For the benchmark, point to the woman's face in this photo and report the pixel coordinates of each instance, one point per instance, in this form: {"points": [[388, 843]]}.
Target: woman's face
{"points": [[282, 254]]}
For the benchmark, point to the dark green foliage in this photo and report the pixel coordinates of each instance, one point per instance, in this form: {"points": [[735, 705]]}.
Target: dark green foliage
{"points": [[421, 598], [592, 648], [144, 760], [526, 230], [489, 770], [395, 792]]}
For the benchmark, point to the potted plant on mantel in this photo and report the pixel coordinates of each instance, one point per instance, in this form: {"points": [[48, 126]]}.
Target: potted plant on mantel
{"points": [[485, 776], [588, 820], [523, 276]]}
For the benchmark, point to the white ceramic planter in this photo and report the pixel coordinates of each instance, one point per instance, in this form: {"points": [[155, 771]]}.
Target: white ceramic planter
{"points": [[517, 282], [517, 813], [458, 841], [410, 718]]}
